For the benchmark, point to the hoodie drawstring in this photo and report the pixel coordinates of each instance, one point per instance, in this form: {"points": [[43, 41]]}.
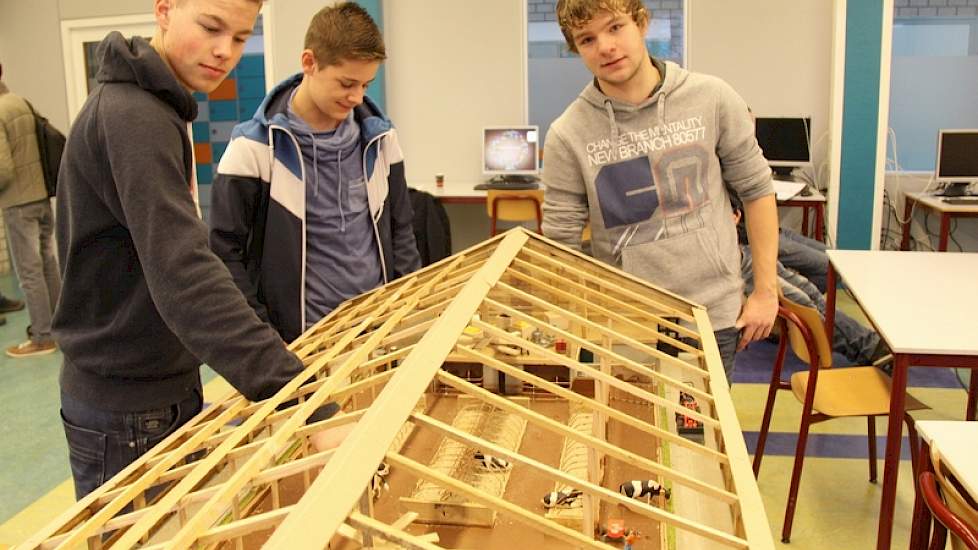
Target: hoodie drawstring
{"points": [[339, 189], [611, 120]]}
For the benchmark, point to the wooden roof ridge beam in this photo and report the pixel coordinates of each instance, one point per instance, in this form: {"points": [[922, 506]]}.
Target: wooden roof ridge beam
{"points": [[554, 474], [591, 304], [593, 405], [593, 442], [339, 486]]}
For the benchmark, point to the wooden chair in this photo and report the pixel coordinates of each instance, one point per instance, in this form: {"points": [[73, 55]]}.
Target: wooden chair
{"points": [[514, 206], [825, 392], [950, 505]]}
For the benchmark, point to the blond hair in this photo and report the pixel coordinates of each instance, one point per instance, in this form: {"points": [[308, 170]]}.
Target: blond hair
{"points": [[344, 31], [574, 14]]}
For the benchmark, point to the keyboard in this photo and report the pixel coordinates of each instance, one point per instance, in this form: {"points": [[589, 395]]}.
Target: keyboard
{"points": [[961, 201], [506, 185]]}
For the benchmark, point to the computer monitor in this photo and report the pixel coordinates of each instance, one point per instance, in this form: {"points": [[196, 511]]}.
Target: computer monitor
{"points": [[511, 151], [957, 160], [785, 142]]}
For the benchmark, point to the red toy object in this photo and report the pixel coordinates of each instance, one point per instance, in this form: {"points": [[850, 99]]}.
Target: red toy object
{"points": [[616, 530]]}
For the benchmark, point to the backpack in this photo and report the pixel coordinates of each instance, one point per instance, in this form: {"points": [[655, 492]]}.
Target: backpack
{"points": [[51, 145]]}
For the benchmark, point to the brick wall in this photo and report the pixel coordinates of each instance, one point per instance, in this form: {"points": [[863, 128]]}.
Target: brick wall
{"points": [[936, 8]]}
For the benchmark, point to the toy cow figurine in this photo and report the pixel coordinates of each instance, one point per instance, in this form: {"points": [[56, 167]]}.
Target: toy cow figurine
{"points": [[491, 463], [565, 498], [642, 488]]}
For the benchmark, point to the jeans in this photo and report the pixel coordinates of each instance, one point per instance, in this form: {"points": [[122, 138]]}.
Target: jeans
{"points": [[727, 340], [30, 229], [805, 256], [102, 443], [850, 338]]}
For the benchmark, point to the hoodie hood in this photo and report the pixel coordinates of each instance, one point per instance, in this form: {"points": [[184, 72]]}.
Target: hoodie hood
{"points": [[619, 111], [274, 110], [136, 62]]}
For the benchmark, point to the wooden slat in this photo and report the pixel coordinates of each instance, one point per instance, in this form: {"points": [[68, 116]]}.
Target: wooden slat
{"points": [[553, 529], [751, 507], [591, 294], [635, 505], [211, 510], [605, 331], [556, 427], [592, 405]]}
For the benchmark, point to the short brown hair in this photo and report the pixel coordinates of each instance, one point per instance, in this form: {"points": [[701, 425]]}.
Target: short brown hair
{"points": [[574, 14], [344, 31]]}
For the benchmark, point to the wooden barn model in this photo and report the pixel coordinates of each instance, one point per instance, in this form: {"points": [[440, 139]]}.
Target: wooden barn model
{"points": [[517, 395]]}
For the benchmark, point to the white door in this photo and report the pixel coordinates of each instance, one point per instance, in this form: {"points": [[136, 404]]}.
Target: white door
{"points": [[79, 39]]}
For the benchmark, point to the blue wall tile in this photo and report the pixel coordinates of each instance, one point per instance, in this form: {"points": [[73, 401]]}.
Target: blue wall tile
{"points": [[202, 132], [223, 110], [205, 174]]}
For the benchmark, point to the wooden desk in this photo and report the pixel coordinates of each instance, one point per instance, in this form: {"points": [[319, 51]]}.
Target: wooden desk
{"points": [[816, 203], [946, 211], [923, 304], [956, 442]]}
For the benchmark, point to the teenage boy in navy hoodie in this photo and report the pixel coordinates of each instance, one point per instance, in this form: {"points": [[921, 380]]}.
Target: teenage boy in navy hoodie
{"points": [[326, 216], [646, 154], [144, 300]]}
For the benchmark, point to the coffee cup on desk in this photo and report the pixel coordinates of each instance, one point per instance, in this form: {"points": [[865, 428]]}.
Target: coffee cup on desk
{"points": [[439, 180]]}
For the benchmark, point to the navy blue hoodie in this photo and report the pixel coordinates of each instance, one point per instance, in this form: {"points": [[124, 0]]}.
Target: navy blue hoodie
{"points": [[144, 300]]}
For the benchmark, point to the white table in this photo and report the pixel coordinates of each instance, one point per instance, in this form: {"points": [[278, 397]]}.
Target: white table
{"points": [[956, 442], [937, 204], [923, 304]]}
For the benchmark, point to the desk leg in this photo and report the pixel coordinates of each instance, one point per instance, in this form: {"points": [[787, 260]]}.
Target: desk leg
{"points": [[945, 231], [830, 296], [820, 222], [804, 221], [907, 212], [894, 435], [972, 396], [920, 526]]}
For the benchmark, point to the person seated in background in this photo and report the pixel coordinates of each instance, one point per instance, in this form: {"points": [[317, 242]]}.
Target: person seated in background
{"points": [[859, 344]]}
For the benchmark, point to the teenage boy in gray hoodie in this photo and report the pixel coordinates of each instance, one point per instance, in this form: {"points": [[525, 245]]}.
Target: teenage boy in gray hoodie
{"points": [[332, 219], [647, 153], [145, 301]]}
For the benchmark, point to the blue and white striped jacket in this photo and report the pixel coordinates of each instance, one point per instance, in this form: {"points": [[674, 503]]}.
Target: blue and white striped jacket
{"points": [[258, 207]]}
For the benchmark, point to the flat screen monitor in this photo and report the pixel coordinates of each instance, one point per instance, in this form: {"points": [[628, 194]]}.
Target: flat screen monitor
{"points": [[511, 150], [957, 156], [785, 141]]}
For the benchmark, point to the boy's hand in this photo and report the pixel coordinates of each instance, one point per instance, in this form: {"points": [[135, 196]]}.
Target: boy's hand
{"points": [[757, 318]]}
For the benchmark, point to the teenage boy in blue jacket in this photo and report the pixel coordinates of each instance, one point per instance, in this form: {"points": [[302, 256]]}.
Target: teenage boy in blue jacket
{"points": [[326, 215]]}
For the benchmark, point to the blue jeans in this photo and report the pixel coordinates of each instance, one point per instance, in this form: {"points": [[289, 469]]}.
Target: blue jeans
{"points": [[850, 337], [805, 256], [102, 443]]}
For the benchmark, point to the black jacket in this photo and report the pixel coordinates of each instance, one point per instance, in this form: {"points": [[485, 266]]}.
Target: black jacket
{"points": [[144, 299]]}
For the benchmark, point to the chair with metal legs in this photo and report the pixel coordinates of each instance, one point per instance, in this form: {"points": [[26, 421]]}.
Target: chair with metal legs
{"points": [[825, 392]]}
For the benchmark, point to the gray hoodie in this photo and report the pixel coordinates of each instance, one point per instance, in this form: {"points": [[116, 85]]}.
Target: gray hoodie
{"points": [[653, 180]]}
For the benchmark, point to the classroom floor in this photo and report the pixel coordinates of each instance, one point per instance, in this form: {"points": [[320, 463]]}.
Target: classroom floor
{"points": [[837, 507]]}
